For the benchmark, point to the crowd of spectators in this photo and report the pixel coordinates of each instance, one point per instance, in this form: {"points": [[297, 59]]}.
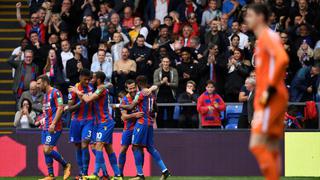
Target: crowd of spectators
{"points": [[178, 44]]}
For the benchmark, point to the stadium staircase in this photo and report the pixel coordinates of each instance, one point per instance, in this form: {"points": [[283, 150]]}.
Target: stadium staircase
{"points": [[10, 35]]}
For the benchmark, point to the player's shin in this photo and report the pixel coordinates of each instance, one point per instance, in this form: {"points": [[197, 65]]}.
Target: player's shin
{"points": [[156, 156], [57, 156], [266, 161], [79, 159], [122, 161], [85, 160], [114, 165], [137, 152], [49, 162]]}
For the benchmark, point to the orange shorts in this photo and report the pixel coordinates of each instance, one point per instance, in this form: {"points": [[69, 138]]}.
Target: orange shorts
{"points": [[270, 120]]}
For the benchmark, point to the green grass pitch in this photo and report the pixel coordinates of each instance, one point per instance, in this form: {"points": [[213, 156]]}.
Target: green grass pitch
{"points": [[184, 178]]}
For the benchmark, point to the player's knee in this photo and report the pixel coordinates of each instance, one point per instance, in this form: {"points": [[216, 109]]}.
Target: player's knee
{"points": [[124, 149], [84, 144], [109, 148], [47, 150], [99, 146], [134, 148], [151, 149]]}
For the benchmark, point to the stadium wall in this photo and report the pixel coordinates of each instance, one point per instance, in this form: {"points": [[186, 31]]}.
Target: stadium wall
{"points": [[186, 153]]}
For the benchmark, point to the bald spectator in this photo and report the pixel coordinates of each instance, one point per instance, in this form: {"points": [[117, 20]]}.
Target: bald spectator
{"points": [[34, 96], [25, 72], [104, 64]]}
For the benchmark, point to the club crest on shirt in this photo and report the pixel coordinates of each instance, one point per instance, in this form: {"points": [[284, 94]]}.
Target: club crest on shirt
{"points": [[105, 128], [138, 129]]}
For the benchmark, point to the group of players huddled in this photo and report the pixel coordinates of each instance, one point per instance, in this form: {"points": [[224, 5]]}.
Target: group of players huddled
{"points": [[91, 123]]}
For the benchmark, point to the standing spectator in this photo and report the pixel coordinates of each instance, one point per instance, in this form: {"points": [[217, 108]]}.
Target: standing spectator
{"points": [[209, 106], [25, 72], [234, 43], [304, 11], [198, 48], [139, 29], [120, 40], [70, 15], [103, 64], [56, 24], [105, 11], [53, 70], [19, 51], [212, 13], [66, 55], [168, 21], [39, 51], [128, 19], [250, 108], [215, 36], [187, 69], [238, 70], [158, 9], [115, 21], [187, 7], [243, 39], [34, 24], [94, 34], [142, 55], [164, 36], [244, 96], [189, 115], [302, 84], [230, 8], [88, 8], [34, 96], [166, 78], [153, 34], [76, 64], [186, 35], [192, 21], [25, 117], [123, 70]]}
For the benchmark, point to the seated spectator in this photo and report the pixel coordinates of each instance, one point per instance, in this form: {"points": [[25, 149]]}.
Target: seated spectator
{"points": [[25, 117], [188, 114], [186, 35], [243, 39], [168, 21], [245, 94], [123, 70], [120, 40], [76, 64], [209, 106], [115, 21], [192, 21], [39, 51], [164, 36], [187, 69], [19, 51], [302, 86], [238, 70], [128, 19], [34, 24], [166, 78], [65, 55], [234, 43], [103, 64], [25, 72], [56, 24], [34, 96], [210, 14]]}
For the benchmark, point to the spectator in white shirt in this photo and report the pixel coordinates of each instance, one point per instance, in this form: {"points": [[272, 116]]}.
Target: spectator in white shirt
{"points": [[66, 54], [19, 51], [104, 64], [25, 117], [244, 39], [120, 40]]}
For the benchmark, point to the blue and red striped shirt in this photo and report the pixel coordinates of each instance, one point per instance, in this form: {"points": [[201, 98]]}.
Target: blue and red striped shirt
{"points": [[128, 123], [101, 106], [145, 105], [51, 101], [85, 111]]}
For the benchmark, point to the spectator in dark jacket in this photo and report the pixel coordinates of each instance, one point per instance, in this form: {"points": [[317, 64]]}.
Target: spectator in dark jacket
{"points": [[188, 114], [166, 78], [302, 84], [76, 64], [245, 94], [238, 70], [187, 7], [187, 69], [142, 55], [216, 37]]}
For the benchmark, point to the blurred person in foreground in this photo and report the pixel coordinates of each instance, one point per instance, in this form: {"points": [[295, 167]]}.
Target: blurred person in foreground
{"points": [[271, 98]]}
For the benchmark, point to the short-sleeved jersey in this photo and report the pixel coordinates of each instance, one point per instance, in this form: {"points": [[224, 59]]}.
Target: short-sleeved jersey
{"points": [[128, 123], [51, 101], [101, 106], [85, 111], [271, 64], [145, 105]]}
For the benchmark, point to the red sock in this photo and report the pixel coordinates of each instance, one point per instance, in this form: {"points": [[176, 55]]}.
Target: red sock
{"points": [[266, 161]]}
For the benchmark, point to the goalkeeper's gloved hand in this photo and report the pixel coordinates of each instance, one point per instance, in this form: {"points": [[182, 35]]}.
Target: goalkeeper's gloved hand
{"points": [[266, 95]]}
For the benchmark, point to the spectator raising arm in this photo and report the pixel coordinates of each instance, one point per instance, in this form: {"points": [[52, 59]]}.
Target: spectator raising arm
{"points": [[18, 13]]}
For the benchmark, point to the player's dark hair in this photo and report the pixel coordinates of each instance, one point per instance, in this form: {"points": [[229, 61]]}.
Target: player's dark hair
{"points": [[44, 78], [85, 72], [30, 104], [261, 8], [129, 81], [100, 75], [211, 82], [142, 81]]}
